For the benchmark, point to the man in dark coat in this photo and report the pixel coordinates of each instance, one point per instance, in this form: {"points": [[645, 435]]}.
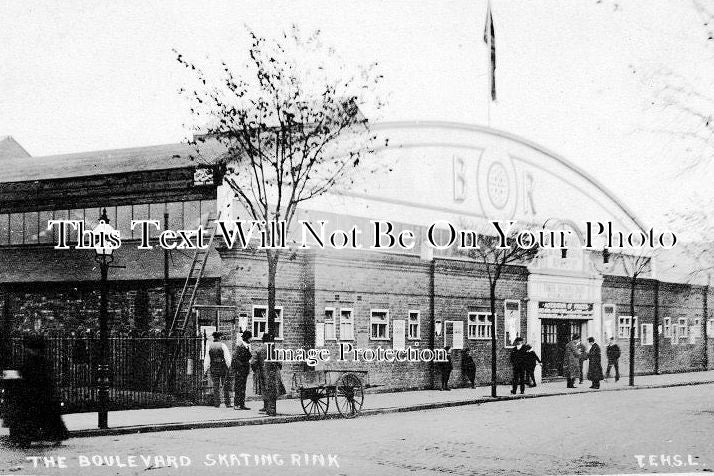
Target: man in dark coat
{"points": [[241, 369], [36, 416], [518, 362], [446, 367], [595, 364], [613, 355], [532, 360], [571, 361], [468, 367]]}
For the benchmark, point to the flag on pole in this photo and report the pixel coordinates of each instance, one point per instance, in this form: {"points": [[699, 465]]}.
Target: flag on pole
{"points": [[489, 37]]}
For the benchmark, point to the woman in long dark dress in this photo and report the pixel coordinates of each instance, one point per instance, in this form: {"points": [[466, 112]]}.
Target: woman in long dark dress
{"points": [[36, 416], [272, 382], [468, 367]]}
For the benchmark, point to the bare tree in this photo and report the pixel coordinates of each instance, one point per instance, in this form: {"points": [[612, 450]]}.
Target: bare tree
{"points": [[684, 100], [495, 255], [290, 124], [696, 249], [686, 95], [633, 266]]}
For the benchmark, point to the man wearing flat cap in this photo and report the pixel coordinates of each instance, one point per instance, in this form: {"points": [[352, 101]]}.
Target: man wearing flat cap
{"points": [[218, 361]]}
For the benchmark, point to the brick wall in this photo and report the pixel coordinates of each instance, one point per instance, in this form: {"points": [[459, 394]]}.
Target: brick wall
{"points": [[462, 287], [74, 307], [365, 281], [308, 282], [675, 301]]}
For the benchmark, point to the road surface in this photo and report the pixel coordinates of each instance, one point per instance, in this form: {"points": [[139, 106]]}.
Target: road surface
{"points": [[643, 431]]}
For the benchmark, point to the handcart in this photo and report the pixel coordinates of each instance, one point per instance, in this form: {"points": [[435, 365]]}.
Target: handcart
{"points": [[316, 387]]}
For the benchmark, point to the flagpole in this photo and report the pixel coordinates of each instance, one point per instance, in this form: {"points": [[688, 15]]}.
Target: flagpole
{"points": [[489, 39]]}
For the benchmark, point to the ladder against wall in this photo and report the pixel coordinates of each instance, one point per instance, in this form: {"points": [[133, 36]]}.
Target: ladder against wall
{"points": [[185, 305]]}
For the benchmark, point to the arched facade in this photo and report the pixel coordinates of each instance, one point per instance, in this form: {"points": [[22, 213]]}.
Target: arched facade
{"points": [[468, 175]]}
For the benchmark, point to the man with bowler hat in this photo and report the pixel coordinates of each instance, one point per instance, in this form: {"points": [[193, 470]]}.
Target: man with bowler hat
{"points": [[518, 362]]}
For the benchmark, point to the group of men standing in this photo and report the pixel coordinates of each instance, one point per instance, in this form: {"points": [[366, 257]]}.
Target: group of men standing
{"points": [[225, 369], [576, 354], [524, 360]]}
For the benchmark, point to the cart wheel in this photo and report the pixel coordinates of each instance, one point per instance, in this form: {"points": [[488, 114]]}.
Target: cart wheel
{"points": [[349, 396], [314, 401]]}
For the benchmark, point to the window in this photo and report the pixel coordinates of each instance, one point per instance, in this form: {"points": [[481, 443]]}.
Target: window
{"points": [[91, 217], [156, 212], [414, 331], [668, 327], [4, 229], [379, 324], [647, 334], [479, 325], [140, 212], [623, 327], [17, 225], [682, 328], [260, 322], [330, 330], [31, 228], [175, 210], [124, 217], [347, 325], [46, 235], [549, 334], [208, 209]]}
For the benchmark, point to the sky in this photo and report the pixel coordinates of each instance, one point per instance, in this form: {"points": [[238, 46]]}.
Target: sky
{"points": [[577, 76]]}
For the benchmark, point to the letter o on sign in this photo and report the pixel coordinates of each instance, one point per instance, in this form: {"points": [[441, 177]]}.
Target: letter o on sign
{"points": [[497, 186]]}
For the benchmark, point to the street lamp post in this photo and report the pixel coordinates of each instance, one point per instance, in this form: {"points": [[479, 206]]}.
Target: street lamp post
{"points": [[104, 258]]}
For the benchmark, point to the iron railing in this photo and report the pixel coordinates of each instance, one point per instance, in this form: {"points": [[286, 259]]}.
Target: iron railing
{"points": [[139, 375]]}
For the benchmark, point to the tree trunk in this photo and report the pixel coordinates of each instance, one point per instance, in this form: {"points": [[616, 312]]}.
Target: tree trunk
{"points": [[655, 328], [493, 339], [633, 284], [273, 257]]}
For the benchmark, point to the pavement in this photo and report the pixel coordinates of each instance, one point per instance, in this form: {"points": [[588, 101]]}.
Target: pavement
{"points": [[290, 410], [660, 430]]}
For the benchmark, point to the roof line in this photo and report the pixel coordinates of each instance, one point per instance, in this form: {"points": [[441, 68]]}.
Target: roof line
{"points": [[528, 143]]}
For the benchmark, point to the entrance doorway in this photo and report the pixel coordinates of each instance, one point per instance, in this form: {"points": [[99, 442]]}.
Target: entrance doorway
{"points": [[555, 334]]}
